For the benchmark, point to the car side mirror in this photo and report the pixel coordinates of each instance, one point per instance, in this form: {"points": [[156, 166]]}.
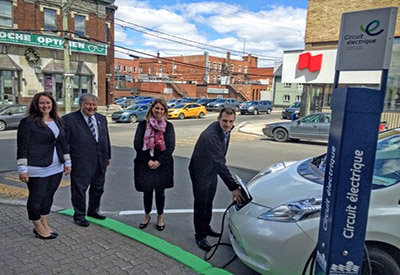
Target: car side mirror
{"points": [[10, 113], [299, 122]]}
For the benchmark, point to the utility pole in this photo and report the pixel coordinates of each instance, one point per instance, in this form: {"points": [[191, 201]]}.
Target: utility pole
{"points": [[67, 76], [207, 68]]}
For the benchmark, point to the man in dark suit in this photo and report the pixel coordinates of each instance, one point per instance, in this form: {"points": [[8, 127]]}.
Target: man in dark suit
{"points": [[207, 162], [90, 149]]}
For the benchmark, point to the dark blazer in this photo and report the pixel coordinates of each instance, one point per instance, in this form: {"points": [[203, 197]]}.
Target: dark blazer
{"points": [[86, 153], [208, 158], [35, 144], [163, 176]]}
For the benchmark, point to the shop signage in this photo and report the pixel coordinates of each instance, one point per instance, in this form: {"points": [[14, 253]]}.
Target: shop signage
{"points": [[366, 39], [217, 91], [51, 42], [307, 61]]}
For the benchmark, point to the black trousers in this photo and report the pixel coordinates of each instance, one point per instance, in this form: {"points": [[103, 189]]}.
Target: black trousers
{"points": [[204, 193], [148, 200], [79, 184], [41, 194]]}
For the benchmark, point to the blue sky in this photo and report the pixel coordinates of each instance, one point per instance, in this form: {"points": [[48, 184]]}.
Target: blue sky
{"points": [[181, 27]]}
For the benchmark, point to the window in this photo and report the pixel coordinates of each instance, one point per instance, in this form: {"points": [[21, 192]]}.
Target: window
{"points": [[124, 68], [80, 24], [286, 98], [245, 69], [298, 97], [240, 69], [50, 19], [134, 69], [232, 66], [6, 13], [106, 32], [129, 69], [214, 78], [219, 66], [215, 66], [287, 85]]}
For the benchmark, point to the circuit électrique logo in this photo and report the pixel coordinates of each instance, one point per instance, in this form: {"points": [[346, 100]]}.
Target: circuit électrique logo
{"points": [[371, 27]]}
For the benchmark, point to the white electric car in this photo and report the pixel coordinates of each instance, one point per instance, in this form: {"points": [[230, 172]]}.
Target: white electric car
{"points": [[277, 232]]}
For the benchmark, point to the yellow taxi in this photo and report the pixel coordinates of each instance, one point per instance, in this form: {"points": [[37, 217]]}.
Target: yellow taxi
{"points": [[187, 110]]}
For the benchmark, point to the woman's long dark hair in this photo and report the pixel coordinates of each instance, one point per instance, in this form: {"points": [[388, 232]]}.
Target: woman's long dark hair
{"points": [[35, 114]]}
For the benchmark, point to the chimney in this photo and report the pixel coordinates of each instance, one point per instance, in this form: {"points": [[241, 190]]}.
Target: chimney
{"points": [[228, 55], [158, 54]]}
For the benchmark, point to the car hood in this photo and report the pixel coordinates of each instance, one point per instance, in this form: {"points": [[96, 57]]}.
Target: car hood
{"points": [[291, 109], [174, 109], [287, 185]]}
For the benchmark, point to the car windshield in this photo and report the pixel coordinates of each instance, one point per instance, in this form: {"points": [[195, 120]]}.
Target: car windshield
{"points": [[171, 101], [132, 108], [295, 105], [252, 103], [387, 160], [179, 106], [219, 100]]}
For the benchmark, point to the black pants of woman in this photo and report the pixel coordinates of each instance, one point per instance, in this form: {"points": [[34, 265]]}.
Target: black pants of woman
{"points": [[160, 200], [41, 193]]}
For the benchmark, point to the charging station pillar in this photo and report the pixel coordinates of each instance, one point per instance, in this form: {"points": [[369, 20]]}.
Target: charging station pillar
{"points": [[349, 169]]}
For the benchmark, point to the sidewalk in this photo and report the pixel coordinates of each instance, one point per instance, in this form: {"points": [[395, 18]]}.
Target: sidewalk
{"points": [[92, 250], [255, 128]]}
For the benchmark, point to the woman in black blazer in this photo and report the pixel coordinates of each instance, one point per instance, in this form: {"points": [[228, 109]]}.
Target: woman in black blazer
{"points": [[154, 166], [42, 157]]}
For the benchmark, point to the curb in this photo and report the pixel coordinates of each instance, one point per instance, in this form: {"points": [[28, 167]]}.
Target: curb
{"points": [[172, 251]]}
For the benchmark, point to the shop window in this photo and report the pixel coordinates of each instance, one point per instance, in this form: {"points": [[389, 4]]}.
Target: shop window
{"points": [[286, 98], [50, 19], [80, 24], [82, 85], [6, 18]]}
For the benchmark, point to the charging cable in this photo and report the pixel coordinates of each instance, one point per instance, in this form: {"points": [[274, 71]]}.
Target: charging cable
{"points": [[215, 246]]}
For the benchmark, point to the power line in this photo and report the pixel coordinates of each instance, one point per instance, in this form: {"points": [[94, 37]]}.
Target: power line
{"points": [[181, 38]]}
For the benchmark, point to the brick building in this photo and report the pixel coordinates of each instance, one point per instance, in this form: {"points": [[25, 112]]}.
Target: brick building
{"points": [[321, 38], [32, 50], [191, 75]]}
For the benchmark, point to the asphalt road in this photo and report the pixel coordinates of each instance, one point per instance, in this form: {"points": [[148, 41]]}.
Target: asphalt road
{"points": [[247, 155]]}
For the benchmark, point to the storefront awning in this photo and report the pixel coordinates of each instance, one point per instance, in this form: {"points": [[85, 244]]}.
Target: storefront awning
{"points": [[76, 67], [7, 64]]}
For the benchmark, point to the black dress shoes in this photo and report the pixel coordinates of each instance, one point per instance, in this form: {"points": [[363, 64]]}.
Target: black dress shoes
{"points": [[81, 222], [50, 237], [96, 215], [203, 244], [213, 233], [160, 227], [144, 225]]}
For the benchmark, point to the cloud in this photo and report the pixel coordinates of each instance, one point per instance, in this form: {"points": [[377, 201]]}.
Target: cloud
{"points": [[265, 33]]}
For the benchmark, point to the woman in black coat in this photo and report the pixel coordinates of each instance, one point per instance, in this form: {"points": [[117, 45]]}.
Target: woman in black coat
{"points": [[154, 166], [42, 157]]}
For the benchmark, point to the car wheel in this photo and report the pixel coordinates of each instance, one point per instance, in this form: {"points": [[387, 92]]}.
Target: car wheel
{"points": [[181, 116], [132, 118], [201, 115], [3, 125], [269, 111], [280, 135], [381, 263], [255, 112]]}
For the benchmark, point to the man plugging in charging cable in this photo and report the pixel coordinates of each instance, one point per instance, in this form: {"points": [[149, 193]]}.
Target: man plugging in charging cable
{"points": [[207, 162]]}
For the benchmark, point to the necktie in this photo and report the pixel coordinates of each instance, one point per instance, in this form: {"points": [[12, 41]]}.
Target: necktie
{"points": [[91, 126]]}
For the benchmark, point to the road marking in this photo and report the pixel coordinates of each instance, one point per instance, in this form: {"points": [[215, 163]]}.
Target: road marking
{"points": [[170, 211], [15, 177], [9, 191]]}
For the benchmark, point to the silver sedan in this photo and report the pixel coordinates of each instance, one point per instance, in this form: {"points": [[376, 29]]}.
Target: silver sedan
{"points": [[313, 126]]}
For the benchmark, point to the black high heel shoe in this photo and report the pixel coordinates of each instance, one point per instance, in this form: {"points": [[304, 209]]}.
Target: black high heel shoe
{"points": [[51, 236], [54, 233], [144, 225], [160, 227]]}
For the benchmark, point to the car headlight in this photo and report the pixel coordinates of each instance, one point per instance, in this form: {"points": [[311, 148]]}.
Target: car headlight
{"points": [[294, 211], [175, 111], [251, 108], [272, 168], [297, 111]]}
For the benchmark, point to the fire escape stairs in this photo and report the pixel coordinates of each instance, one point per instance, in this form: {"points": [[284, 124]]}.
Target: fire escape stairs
{"points": [[240, 94], [177, 90]]}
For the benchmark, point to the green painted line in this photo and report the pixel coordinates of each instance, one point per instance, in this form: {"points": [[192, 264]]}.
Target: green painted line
{"points": [[172, 251]]}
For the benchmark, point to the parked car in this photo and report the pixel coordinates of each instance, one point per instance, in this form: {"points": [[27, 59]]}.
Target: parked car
{"points": [[255, 107], [314, 126], [205, 101], [223, 102], [187, 110], [11, 115], [293, 108], [278, 230], [131, 114], [145, 101], [172, 102]]}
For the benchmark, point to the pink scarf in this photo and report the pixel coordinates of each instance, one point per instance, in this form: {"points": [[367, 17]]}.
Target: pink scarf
{"points": [[154, 137]]}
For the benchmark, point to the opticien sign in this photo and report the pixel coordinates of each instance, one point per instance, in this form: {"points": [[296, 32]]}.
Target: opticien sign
{"points": [[52, 42]]}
